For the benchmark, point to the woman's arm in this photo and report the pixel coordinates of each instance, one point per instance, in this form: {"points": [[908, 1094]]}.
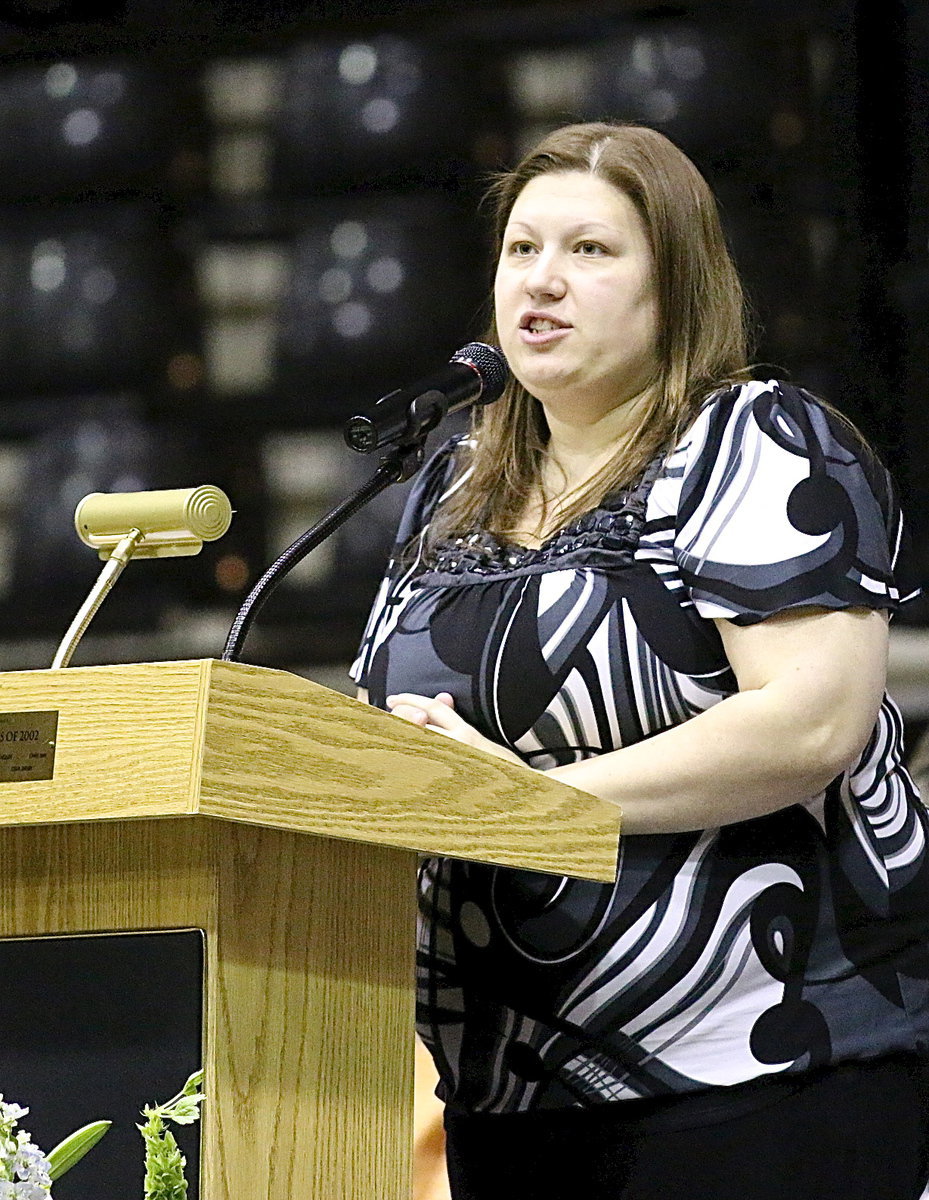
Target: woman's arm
{"points": [[810, 685]]}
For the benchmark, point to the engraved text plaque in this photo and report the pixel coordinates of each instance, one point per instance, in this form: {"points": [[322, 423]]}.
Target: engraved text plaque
{"points": [[27, 746]]}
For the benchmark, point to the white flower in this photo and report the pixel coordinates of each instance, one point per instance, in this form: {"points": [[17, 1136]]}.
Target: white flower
{"points": [[31, 1191], [21, 1159], [11, 1113], [32, 1167]]}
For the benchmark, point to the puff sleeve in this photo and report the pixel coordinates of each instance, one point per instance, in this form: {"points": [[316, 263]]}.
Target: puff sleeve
{"points": [[782, 506]]}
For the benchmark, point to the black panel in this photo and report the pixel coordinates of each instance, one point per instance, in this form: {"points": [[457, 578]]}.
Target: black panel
{"points": [[93, 1029]]}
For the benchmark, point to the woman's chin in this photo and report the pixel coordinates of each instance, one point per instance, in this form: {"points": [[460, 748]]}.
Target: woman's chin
{"points": [[545, 378]]}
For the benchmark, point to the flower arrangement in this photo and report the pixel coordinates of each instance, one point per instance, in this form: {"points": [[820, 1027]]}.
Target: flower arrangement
{"points": [[28, 1174], [25, 1172]]}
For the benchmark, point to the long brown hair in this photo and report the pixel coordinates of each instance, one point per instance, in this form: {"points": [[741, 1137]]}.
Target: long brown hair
{"points": [[701, 315]]}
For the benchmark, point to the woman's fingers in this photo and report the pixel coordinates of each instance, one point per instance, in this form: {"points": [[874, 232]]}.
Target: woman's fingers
{"points": [[438, 714], [409, 712], [423, 710]]}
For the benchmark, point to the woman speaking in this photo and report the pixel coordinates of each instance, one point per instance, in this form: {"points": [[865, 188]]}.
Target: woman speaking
{"points": [[666, 584]]}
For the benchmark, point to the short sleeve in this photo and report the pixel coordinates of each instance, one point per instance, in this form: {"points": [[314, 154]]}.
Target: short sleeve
{"points": [[781, 506], [430, 487]]}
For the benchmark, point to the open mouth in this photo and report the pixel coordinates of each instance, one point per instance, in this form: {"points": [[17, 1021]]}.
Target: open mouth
{"points": [[536, 323]]}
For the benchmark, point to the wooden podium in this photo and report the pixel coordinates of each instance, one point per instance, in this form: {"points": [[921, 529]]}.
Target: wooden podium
{"points": [[283, 819]]}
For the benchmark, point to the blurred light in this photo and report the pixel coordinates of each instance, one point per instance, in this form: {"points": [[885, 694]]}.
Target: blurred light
{"points": [[71, 488], [99, 286], [130, 122], [385, 275], [240, 353], [129, 482], [60, 80], [357, 63], [100, 312], [308, 464], [712, 90], [232, 573], [548, 82], [93, 444], [352, 320], [373, 110], [644, 57], [237, 275], [335, 285], [823, 237], [686, 62], [48, 271], [240, 162], [243, 90], [349, 239], [660, 105], [386, 287], [81, 127], [821, 52], [380, 115]]}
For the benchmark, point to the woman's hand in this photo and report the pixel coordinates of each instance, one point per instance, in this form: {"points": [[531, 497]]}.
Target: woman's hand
{"points": [[438, 714]]}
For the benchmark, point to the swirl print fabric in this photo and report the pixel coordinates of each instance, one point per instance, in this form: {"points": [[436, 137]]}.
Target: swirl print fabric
{"points": [[761, 948]]}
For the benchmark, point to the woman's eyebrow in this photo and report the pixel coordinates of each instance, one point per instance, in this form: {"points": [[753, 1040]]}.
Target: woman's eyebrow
{"points": [[580, 227]]}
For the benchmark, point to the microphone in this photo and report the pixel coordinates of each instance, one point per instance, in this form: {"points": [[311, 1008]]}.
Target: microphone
{"points": [[173, 522], [476, 374]]}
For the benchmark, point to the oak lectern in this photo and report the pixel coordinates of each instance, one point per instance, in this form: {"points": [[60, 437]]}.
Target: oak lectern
{"points": [[283, 819]]}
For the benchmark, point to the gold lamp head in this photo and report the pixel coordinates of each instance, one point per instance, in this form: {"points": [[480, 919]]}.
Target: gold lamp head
{"points": [[173, 522]]}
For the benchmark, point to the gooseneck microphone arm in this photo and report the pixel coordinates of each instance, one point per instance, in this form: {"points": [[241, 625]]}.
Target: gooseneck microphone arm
{"points": [[476, 374], [399, 464]]}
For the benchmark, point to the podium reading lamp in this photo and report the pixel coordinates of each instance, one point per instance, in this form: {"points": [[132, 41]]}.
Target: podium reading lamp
{"points": [[297, 814], [124, 525]]}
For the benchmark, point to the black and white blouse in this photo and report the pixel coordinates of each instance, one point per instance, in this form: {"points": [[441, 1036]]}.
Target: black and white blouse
{"points": [[761, 948]]}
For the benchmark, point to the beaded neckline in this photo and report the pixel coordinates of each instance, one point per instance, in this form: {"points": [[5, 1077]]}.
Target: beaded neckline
{"points": [[612, 529]]}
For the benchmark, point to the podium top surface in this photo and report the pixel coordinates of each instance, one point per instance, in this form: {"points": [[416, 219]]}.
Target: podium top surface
{"points": [[265, 747]]}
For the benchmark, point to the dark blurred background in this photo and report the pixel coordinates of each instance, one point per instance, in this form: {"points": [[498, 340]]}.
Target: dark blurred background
{"points": [[224, 226]]}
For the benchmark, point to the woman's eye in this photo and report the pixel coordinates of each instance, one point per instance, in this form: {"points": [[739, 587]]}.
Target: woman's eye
{"points": [[522, 248], [590, 248]]}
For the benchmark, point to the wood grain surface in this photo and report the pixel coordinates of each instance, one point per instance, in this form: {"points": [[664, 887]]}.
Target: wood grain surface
{"points": [[283, 750], [270, 748], [129, 741], [309, 985]]}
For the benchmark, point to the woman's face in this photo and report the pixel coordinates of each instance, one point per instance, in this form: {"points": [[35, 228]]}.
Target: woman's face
{"points": [[575, 296]]}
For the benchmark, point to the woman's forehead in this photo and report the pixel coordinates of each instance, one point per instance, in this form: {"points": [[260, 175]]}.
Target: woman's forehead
{"points": [[575, 197]]}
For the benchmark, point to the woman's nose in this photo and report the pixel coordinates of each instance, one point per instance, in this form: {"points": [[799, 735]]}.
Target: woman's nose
{"points": [[545, 277]]}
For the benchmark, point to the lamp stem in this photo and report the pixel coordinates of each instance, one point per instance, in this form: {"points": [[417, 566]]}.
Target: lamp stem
{"points": [[112, 569]]}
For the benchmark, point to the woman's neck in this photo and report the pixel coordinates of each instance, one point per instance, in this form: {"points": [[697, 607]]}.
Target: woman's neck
{"points": [[576, 452], [578, 449]]}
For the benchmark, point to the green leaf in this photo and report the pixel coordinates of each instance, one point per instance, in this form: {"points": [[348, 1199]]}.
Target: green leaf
{"points": [[194, 1083], [164, 1163], [73, 1148]]}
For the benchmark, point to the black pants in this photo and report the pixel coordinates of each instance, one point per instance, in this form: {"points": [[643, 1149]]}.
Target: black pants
{"points": [[859, 1131]]}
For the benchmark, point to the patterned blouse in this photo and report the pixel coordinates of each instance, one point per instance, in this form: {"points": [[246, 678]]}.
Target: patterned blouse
{"points": [[761, 948]]}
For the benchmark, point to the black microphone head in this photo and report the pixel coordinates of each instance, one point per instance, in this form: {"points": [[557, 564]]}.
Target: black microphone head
{"points": [[490, 365]]}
